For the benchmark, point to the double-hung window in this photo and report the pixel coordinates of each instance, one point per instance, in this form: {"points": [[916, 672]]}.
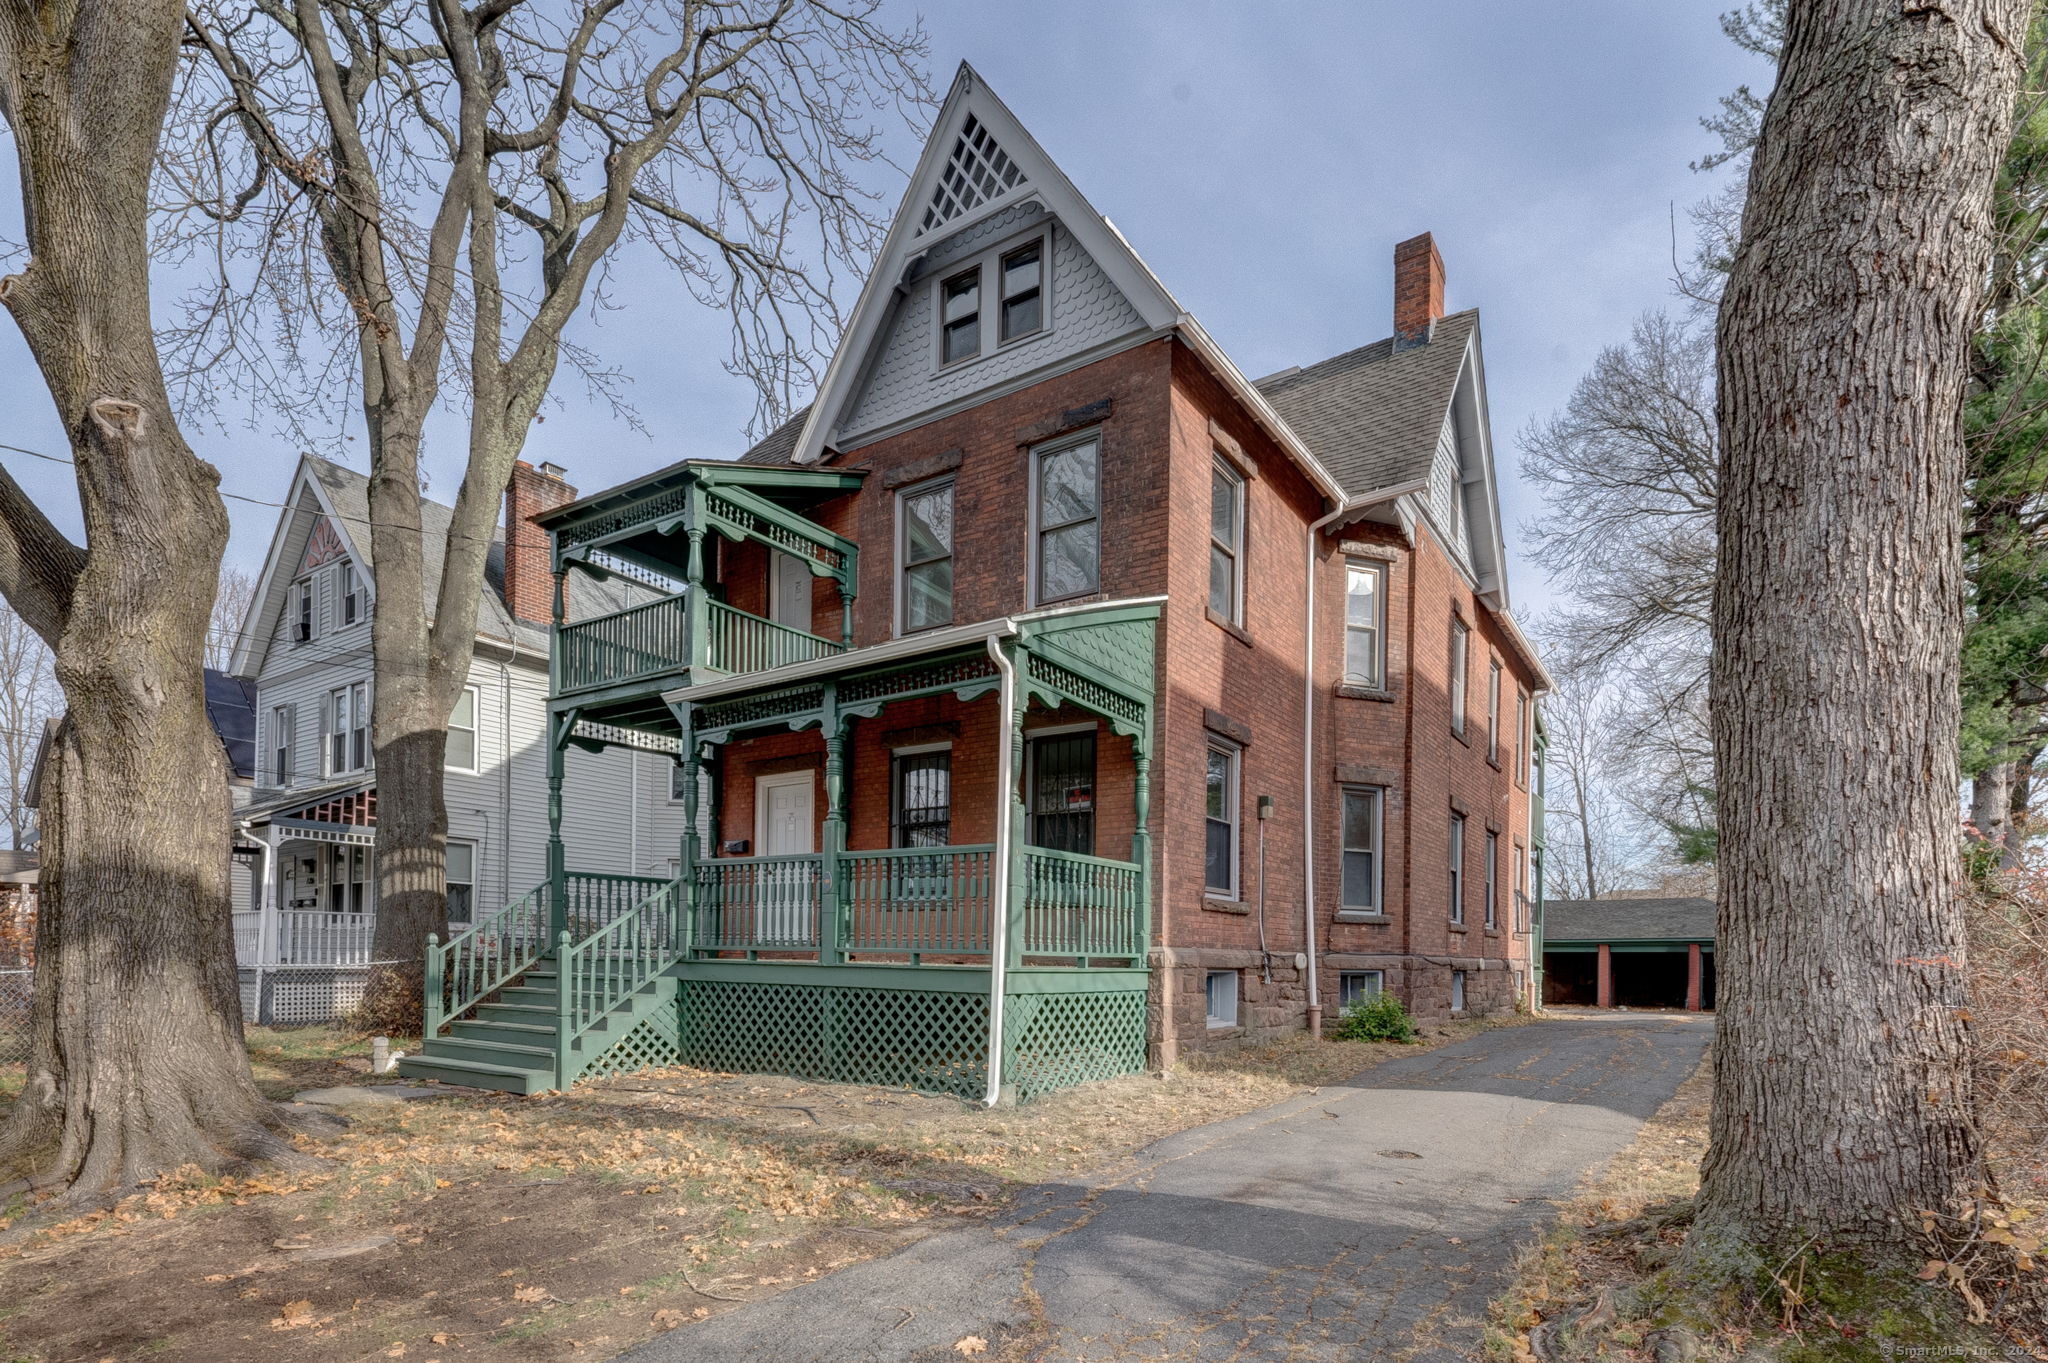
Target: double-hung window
{"points": [[461, 754], [281, 745], [960, 317], [1364, 624], [1226, 542], [1067, 502], [1023, 283], [921, 798], [1461, 640], [1361, 879], [461, 881], [1457, 881], [1492, 879], [351, 590], [348, 738], [925, 545], [1493, 709], [302, 602], [1219, 862], [1521, 888]]}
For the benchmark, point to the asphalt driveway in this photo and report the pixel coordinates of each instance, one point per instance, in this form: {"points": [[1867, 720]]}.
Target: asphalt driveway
{"points": [[1371, 1220]]}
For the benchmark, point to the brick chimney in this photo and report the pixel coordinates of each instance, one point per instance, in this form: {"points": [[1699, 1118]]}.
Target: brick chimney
{"points": [[529, 586], [1418, 289]]}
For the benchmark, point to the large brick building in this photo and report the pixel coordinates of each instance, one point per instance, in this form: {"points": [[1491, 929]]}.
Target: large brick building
{"points": [[1044, 615]]}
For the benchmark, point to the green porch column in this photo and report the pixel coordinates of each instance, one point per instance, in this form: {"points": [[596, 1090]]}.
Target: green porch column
{"points": [[699, 613], [558, 870], [845, 612], [1020, 866], [831, 899], [689, 760], [1141, 844]]}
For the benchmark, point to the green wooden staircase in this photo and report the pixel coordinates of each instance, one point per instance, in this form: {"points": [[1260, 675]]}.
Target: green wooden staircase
{"points": [[507, 1009]]}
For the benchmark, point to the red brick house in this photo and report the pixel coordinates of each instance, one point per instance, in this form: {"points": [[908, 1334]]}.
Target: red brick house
{"points": [[1048, 680]]}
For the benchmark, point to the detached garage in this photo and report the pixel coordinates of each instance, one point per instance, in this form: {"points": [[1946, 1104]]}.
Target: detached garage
{"points": [[1629, 953]]}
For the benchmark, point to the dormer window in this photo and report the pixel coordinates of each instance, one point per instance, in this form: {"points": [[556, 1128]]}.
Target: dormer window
{"points": [[1023, 278], [960, 317]]}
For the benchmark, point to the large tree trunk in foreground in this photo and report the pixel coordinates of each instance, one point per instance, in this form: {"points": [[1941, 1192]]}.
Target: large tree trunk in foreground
{"points": [[137, 1064], [1841, 1100]]}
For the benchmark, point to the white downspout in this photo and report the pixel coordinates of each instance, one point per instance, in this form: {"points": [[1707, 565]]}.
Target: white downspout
{"points": [[999, 879], [1308, 769]]}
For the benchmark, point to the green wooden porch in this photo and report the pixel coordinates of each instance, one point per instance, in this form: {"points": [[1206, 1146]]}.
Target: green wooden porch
{"points": [[918, 966]]}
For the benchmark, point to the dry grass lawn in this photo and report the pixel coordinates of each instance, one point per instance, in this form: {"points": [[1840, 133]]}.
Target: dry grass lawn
{"points": [[493, 1227]]}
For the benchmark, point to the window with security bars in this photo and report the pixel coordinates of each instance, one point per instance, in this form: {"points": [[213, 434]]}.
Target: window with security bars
{"points": [[926, 518], [923, 799], [1061, 771], [1067, 503], [977, 171]]}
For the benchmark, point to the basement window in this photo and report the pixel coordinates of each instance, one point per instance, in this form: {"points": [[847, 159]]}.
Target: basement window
{"points": [[1360, 986], [1222, 996], [1457, 991]]}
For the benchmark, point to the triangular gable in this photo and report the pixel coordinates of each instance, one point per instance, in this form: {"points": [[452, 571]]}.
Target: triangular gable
{"points": [[978, 161], [310, 532]]}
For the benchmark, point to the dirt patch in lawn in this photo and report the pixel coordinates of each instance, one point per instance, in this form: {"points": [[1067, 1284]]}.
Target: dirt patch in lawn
{"points": [[492, 1227]]}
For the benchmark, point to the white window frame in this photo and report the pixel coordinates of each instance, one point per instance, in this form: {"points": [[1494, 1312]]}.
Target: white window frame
{"points": [[1492, 880], [903, 566], [1457, 870], [1234, 548], [1371, 984], [1493, 709], [348, 714], [1521, 890], [1461, 663], [1043, 246], [281, 744], [348, 592], [448, 880], [475, 730], [306, 612], [1376, 630], [1219, 1021], [1521, 754], [1038, 530], [1233, 807], [946, 281], [1378, 796]]}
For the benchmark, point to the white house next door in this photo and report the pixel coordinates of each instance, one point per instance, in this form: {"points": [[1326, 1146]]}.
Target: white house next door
{"points": [[785, 820]]}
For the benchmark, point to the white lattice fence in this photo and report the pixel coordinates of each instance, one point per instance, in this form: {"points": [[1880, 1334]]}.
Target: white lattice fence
{"points": [[16, 989], [301, 995]]}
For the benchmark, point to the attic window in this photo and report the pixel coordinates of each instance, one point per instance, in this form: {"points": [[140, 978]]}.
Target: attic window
{"points": [[976, 172]]}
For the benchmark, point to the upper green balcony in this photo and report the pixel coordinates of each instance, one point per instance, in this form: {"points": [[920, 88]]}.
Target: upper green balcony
{"points": [[719, 536]]}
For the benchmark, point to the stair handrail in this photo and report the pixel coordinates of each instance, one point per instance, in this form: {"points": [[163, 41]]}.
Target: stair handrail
{"points": [[483, 958], [613, 963]]}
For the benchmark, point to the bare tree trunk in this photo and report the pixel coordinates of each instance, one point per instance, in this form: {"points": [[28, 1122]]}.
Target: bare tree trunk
{"points": [[137, 1062], [1841, 1098]]}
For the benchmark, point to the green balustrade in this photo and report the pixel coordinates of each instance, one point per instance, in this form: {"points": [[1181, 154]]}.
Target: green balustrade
{"points": [[1082, 906], [640, 641], [615, 962], [476, 963], [746, 643], [918, 900], [758, 903]]}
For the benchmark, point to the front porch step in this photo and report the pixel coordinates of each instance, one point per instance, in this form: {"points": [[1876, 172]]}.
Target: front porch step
{"points": [[477, 1074], [492, 1052], [516, 1012]]}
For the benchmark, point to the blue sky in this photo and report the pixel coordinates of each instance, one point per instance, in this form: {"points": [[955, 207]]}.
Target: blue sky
{"points": [[1264, 159]]}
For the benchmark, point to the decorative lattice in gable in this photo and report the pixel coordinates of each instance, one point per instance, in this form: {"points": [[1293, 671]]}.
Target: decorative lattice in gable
{"points": [[976, 172], [323, 546]]}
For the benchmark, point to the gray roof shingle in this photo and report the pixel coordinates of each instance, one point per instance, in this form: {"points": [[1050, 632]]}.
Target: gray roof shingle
{"points": [[1627, 920], [779, 444], [1372, 415]]}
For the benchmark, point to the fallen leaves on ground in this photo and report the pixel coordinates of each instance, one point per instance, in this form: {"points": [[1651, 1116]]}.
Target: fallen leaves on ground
{"points": [[971, 1345]]}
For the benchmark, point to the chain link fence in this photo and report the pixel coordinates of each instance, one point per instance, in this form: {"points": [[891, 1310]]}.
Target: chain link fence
{"points": [[16, 989]]}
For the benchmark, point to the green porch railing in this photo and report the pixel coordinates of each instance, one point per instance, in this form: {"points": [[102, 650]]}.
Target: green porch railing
{"points": [[640, 641], [595, 900], [746, 643], [476, 963], [758, 903], [918, 900], [1082, 906], [613, 963]]}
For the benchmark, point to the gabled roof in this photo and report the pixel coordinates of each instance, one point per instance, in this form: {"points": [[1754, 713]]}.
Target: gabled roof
{"points": [[1372, 415], [321, 487], [1627, 920]]}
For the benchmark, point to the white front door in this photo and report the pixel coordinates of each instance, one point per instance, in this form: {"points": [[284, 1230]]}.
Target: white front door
{"points": [[786, 826], [789, 594]]}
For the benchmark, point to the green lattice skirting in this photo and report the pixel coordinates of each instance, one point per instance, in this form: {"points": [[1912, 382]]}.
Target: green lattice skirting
{"points": [[649, 1046], [934, 1042]]}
